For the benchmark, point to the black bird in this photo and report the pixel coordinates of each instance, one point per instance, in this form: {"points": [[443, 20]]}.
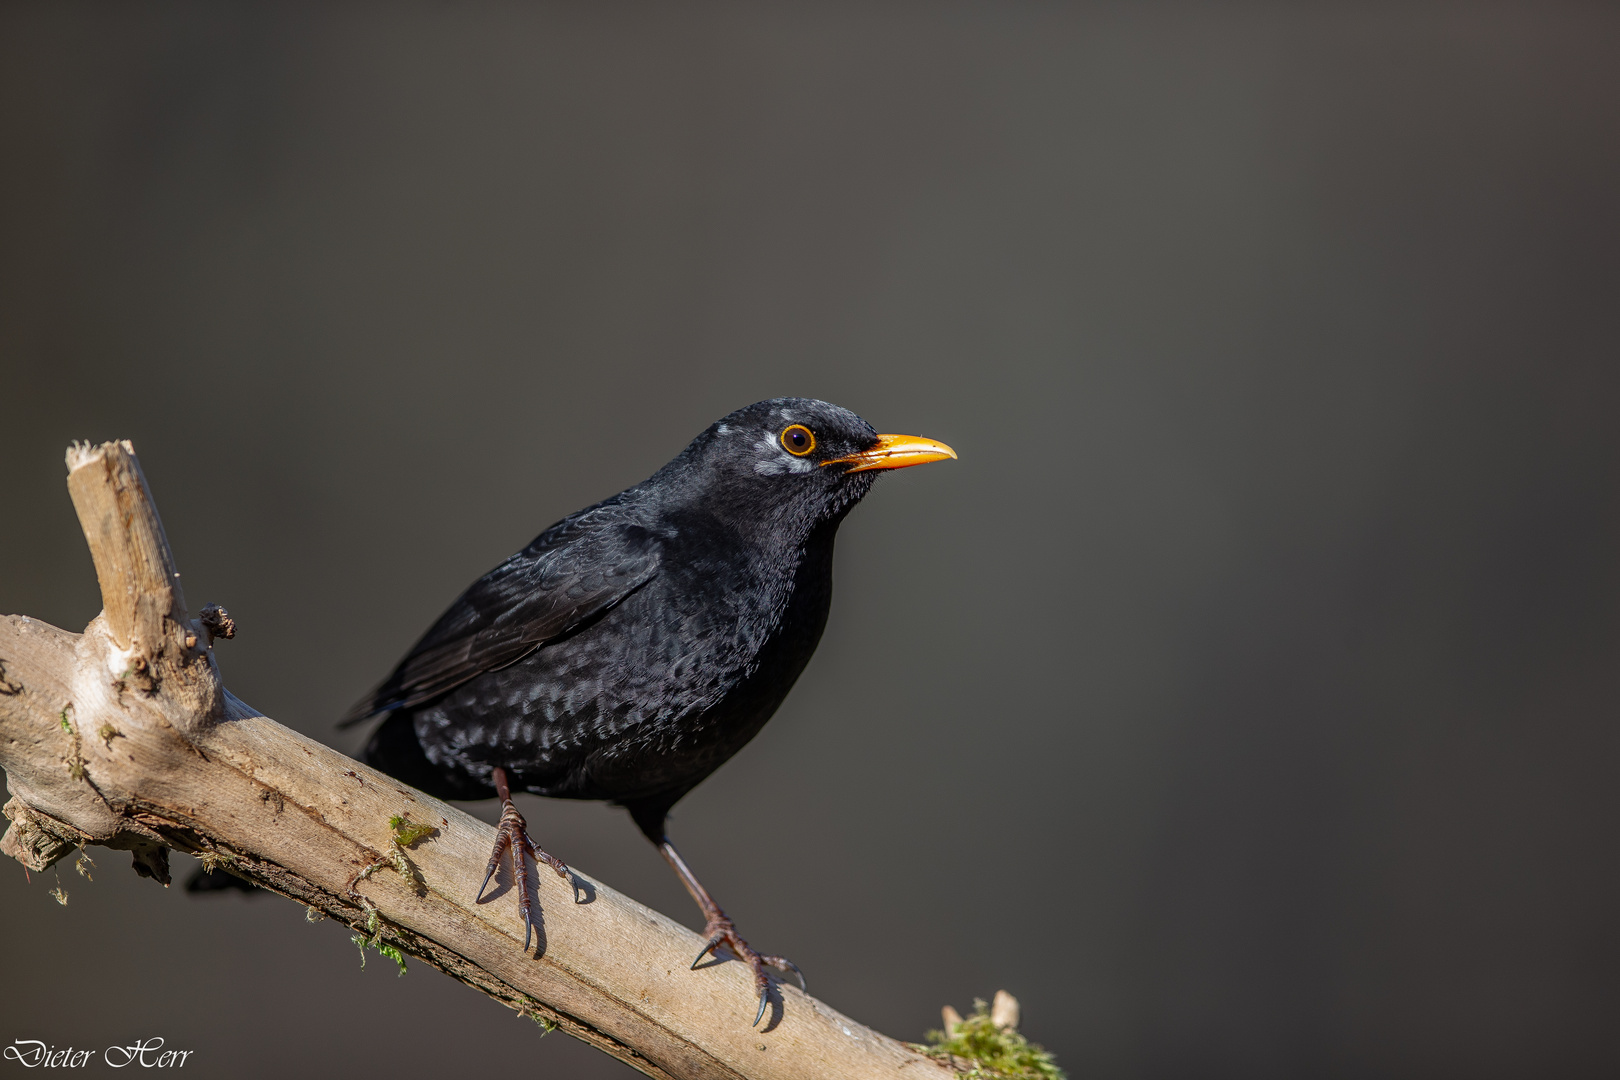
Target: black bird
{"points": [[636, 645]]}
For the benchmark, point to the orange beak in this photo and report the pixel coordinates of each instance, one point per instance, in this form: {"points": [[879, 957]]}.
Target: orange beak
{"points": [[895, 452]]}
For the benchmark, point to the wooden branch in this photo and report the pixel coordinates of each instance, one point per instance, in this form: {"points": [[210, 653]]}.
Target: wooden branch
{"points": [[124, 736]]}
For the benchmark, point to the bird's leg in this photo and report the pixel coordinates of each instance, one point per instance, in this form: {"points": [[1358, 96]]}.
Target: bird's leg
{"points": [[718, 930], [512, 834]]}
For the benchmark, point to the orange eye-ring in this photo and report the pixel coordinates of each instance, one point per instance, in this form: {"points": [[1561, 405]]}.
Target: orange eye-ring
{"points": [[797, 440]]}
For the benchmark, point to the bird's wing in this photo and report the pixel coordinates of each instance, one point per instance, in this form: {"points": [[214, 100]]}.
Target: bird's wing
{"points": [[571, 574]]}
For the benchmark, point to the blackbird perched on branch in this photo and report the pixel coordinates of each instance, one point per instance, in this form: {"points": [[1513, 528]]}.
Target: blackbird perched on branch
{"points": [[636, 645]]}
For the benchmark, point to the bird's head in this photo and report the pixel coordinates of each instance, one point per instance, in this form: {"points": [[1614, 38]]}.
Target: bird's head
{"points": [[797, 459]]}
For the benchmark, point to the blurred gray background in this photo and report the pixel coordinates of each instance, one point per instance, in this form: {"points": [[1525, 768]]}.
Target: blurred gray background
{"points": [[1244, 698]]}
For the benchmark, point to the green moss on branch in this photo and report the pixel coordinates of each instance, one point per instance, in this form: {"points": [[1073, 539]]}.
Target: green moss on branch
{"points": [[982, 1049]]}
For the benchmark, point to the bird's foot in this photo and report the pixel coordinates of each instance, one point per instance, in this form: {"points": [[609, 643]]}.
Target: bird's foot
{"points": [[512, 834], [719, 930]]}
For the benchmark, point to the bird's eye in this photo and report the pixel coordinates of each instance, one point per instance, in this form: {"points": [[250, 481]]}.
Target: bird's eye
{"points": [[797, 440]]}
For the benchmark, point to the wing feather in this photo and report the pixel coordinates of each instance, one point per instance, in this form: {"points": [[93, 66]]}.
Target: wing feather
{"points": [[572, 573]]}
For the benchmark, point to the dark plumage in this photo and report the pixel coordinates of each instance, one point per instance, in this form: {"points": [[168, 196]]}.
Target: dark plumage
{"points": [[636, 645]]}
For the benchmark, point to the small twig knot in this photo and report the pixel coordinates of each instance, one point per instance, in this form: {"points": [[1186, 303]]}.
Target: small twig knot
{"points": [[217, 621]]}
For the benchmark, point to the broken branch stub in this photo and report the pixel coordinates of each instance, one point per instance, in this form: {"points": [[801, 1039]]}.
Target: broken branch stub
{"points": [[124, 736], [152, 643]]}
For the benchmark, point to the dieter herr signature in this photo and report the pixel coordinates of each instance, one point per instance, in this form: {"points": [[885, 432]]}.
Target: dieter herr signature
{"points": [[147, 1053]]}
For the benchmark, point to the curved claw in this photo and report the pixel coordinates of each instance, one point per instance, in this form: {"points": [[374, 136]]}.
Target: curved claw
{"points": [[763, 992], [713, 944], [489, 874], [782, 963]]}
